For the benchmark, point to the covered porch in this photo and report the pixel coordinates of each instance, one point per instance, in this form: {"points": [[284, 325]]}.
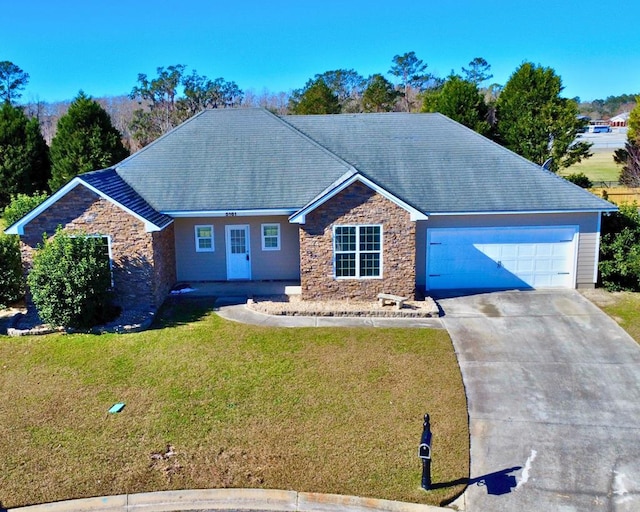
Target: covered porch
{"points": [[244, 289]]}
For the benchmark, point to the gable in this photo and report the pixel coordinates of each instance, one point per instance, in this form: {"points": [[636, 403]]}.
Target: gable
{"points": [[107, 185], [341, 185]]}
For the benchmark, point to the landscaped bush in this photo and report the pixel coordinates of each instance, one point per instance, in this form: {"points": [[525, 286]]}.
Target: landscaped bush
{"points": [[11, 280], [20, 205], [70, 281], [580, 179], [620, 250]]}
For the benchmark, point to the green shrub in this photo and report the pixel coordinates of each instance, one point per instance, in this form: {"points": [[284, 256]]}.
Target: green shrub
{"points": [[620, 249], [11, 280], [70, 280], [580, 179], [20, 205]]}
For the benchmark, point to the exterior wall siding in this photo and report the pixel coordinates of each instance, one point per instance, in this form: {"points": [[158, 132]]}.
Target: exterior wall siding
{"points": [[191, 265], [140, 279], [587, 239], [357, 204]]}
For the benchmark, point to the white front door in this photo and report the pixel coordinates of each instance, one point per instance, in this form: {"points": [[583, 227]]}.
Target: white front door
{"points": [[238, 252]]}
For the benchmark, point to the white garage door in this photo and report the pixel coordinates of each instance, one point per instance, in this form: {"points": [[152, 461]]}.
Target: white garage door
{"points": [[514, 257]]}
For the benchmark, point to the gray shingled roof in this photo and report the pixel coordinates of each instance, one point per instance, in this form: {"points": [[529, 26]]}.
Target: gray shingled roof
{"points": [[108, 182], [251, 159], [231, 160], [439, 166]]}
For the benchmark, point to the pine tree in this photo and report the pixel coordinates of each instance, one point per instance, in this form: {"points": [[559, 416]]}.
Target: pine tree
{"points": [[535, 122], [461, 101], [85, 141], [380, 95], [24, 155], [315, 98]]}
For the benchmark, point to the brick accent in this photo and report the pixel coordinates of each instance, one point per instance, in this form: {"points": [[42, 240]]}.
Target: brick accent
{"points": [[357, 204], [143, 263], [164, 250]]}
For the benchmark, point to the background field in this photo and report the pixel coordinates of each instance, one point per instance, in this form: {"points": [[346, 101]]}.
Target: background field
{"points": [[326, 410], [600, 167]]}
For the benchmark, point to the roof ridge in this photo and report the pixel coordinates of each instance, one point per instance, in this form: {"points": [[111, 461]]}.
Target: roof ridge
{"points": [[323, 148], [156, 141]]}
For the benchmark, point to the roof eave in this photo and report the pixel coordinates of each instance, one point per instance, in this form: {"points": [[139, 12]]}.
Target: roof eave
{"points": [[526, 212]]}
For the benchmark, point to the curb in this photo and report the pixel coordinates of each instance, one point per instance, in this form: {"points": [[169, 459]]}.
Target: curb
{"points": [[227, 499]]}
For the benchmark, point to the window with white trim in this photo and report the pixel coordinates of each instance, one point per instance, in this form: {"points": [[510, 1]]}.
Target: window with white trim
{"points": [[357, 251], [204, 238], [271, 237]]}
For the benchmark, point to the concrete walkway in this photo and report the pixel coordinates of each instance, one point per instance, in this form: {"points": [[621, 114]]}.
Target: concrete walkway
{"points": [[233, 308], [553, 386]]}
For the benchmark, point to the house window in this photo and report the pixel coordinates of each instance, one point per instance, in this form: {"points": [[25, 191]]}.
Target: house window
{"points": [[357, 251], [271, 237], [204, 238]]}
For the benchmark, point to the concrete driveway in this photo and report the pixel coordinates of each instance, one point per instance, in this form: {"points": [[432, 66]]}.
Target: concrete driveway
{"points": [[554, 402]]}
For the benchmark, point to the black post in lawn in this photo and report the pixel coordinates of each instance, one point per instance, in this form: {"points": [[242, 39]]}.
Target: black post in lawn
{"points": [[424, 452]]}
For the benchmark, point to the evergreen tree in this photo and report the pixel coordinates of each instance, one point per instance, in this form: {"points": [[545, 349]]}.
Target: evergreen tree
{"points": [[12, 81], [633, 131], [347, 85], [380, 95], [477, 72], [629, 157], [85, 141], [315, 98], [24, 155], [535, 122], [461, 101], [410, 71]]}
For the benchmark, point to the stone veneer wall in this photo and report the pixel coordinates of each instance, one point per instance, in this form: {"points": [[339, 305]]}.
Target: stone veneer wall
{"points": [[141, 276], [357, 204], [164, 250]]}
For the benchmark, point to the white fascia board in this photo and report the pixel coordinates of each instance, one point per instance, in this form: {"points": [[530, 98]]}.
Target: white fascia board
{"points": [[519, 212], [299, 217], [230, 213], [18, 227], [148, 226]]}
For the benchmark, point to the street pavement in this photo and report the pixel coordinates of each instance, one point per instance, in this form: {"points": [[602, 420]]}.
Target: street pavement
{"points": [[553, 388]]}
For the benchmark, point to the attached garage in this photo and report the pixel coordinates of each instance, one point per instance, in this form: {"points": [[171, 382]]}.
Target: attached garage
{"points": [[502, 257]]}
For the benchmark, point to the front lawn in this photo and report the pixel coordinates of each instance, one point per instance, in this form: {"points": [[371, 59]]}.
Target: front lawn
{"points": [[329, 410], [624, 308]]}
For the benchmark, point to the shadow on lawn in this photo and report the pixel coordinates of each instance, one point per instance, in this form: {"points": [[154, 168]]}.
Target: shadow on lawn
{"points": [[180, 310], [498, 483]]}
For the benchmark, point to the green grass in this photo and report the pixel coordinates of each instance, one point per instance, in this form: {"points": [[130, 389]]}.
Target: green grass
{"points": [[330, 410], [600, 167], [624, 307]]}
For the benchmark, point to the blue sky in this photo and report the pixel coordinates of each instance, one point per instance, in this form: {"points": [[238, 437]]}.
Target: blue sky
{"points": [[100, 47]]}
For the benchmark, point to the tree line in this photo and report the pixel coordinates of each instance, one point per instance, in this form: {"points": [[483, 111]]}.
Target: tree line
{"points": [[44, 146]]}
